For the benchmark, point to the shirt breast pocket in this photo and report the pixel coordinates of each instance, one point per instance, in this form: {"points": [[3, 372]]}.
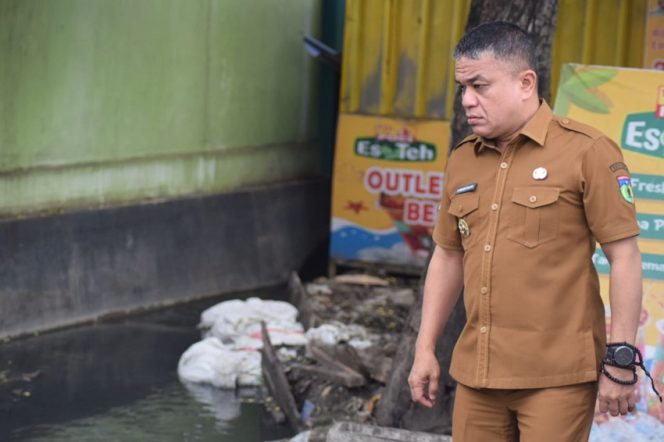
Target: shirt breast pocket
{"points": [[464, 208], [533, 216]]}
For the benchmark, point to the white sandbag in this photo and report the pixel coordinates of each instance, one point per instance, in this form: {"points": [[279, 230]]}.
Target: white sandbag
{"points": [[280, 332], [238, 323], [210, 361], [273, 310], [227, 309], [237, 311], [228, 356]]}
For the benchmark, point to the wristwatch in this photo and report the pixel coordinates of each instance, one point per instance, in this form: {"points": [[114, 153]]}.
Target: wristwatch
{"points": [[622, 355]]}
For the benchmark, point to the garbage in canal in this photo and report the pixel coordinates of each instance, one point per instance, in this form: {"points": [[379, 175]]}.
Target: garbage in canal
{"points": [[334, 371]]}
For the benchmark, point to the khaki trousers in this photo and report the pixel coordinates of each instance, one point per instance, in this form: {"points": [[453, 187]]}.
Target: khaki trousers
{"points": [[557, 414]]}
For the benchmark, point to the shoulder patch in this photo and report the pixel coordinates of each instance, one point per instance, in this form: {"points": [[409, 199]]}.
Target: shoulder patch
{"points": [[581, 128], [618, 166]]}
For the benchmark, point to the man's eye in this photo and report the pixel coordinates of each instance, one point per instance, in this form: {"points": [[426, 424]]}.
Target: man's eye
{"points": [[478, 87]]}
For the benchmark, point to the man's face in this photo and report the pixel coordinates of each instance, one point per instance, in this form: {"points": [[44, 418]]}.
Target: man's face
{"points": [[492, 96]]}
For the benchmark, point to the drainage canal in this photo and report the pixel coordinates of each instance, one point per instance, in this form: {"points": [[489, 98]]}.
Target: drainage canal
{"points": [[117, 380]]}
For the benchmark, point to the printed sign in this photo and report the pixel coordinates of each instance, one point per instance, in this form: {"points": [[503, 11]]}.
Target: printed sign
{"points": [[626, 104], [388, 181]]}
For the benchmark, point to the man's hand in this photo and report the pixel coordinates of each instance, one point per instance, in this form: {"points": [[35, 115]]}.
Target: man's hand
{"points": [[423, 378], [615, 398]]}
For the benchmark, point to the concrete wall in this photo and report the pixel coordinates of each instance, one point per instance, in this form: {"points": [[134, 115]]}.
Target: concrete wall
{"points": [[131, 134], [106, 102], [74, 267]]}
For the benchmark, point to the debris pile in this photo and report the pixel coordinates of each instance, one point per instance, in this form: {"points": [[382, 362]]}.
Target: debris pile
{"points": [[354, 323], [330, 366]]}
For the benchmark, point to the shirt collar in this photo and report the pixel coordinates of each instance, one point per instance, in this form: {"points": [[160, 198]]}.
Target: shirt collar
{"points": [[536, 129]]}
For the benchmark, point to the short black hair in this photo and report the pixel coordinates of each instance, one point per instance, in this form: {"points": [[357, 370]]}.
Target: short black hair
{"points": [[506, 41]]}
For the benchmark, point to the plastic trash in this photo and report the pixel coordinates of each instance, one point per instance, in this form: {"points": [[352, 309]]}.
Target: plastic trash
{"points": [[329, 334], [332, 333], [318, 289]]}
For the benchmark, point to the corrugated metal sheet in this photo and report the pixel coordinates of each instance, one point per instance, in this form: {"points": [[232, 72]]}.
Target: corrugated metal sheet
{"points": [[397, 58]]}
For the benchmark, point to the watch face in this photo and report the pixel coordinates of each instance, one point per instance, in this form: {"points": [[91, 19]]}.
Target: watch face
{"points": [[623, 355]]}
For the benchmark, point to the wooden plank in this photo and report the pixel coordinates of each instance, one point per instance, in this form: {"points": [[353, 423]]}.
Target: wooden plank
{"points": [[277, 383], [340, 356], [300, 298], [355, 432], [381, 268], [348, 379]]}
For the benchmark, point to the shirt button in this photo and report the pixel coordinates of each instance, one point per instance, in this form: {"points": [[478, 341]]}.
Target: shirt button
{"points": [[503, 165], [482, 329], [487, 248], [532, 198], [484, 290], [494, 206]]}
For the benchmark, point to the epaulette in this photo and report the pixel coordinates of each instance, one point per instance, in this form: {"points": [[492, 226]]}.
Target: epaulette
{"points": [[471, 137], [581, 128]]}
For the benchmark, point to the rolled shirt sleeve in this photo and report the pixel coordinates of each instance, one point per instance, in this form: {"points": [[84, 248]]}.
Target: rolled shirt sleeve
{"points": [[607, 193]]}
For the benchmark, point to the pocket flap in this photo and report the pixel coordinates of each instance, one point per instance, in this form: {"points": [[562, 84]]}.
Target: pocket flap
{"points": [[462, 205], [535, 196]]}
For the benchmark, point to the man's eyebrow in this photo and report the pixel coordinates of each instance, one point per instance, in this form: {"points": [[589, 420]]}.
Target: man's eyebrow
{"points": [[477, 77]]}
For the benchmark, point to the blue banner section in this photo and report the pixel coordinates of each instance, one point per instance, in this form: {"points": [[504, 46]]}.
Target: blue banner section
{"points": [[650, 187], [652, 226], [653, 265]]}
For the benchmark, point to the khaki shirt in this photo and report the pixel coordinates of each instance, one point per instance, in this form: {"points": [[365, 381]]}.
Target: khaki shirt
{"points": [[527, 219]]}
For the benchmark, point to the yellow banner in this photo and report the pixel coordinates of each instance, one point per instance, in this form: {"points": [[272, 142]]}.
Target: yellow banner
{"points": [[653, 54], [387, 184], [628, 106]]}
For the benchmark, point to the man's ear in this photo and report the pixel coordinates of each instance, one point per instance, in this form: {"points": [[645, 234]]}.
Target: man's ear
{"points": [[528, 82]]}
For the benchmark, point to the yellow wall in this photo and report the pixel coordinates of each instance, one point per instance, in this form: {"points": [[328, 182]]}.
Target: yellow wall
{"points": [[397, 57]]}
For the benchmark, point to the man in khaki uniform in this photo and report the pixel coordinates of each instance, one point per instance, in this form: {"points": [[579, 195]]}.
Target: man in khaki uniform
{"points": [[526, 198]]}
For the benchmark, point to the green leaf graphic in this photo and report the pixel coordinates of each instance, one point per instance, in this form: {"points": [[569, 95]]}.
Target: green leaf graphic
{"points": [[585, 99], [577, 87], [590, 78]]}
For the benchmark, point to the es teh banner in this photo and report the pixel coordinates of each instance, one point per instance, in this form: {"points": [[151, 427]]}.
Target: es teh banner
{"points": [[386, 188]]}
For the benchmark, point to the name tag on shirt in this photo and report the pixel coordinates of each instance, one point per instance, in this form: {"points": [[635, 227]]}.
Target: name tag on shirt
{"points": [[467, 188]]}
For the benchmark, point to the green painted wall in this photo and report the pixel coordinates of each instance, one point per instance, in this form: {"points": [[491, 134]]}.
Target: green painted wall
{"points": [[114, 101]]}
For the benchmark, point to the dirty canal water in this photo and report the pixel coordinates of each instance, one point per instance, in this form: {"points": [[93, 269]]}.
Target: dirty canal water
{"points": [[117, 381]]}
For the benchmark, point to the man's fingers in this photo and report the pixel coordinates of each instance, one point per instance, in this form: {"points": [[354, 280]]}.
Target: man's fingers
{"points": [[614, 409], [416, 392], [603, 406], [433, 388], [623, 406]]}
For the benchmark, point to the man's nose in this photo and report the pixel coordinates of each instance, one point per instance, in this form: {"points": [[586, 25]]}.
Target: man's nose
{"points": [[468, 98]]}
